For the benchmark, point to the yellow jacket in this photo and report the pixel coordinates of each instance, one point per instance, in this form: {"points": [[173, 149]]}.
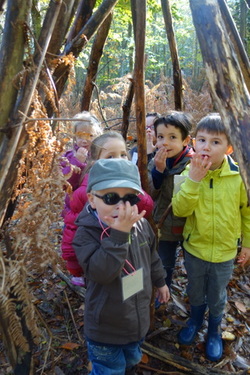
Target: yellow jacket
{"points": [[217, 213]]}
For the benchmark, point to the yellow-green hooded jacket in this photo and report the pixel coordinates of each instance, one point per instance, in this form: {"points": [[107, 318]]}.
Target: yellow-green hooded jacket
{"points": [[217, 213]]}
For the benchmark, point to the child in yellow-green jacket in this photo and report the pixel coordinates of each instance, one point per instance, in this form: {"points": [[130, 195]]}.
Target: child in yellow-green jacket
{"points": [[214, 201]]}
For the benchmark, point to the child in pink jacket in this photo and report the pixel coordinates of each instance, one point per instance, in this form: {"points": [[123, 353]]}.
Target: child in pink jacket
{"points": [[109, 145]]}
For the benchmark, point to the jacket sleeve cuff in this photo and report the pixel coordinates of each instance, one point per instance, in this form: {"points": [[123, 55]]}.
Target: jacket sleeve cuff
{"points": [[192, 185], [246, 242], [160, 283], [119, 237]]}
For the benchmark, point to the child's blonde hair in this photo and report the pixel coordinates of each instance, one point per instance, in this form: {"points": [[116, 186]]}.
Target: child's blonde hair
{"points": [[85, 118], [96, 147], [98, 143]]}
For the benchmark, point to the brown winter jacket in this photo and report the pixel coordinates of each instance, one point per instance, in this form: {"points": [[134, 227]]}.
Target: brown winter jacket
{"points": [[172, 227]]}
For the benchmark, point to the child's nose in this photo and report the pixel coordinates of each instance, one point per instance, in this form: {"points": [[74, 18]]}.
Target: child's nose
{"points": [[206, 146], [159, 145], [119, 204]]}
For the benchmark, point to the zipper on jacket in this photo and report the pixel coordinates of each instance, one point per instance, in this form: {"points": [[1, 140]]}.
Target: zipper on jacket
{"points": [[211, 183]]}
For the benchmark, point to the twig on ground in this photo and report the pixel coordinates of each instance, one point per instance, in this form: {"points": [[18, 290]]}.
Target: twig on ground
{"points": [[50, 340], [181, 363], [156, 370], [77, 289], [157, 332], [72, 316]]}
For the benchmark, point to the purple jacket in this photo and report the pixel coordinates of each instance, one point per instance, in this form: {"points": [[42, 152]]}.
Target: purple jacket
{"points": [[74, 179]]}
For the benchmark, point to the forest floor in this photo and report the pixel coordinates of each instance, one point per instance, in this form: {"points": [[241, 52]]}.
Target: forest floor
{"points": [[62, 351]]}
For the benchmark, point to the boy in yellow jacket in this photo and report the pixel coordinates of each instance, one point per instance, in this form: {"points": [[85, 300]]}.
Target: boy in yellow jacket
{"points": [[214, 201]]}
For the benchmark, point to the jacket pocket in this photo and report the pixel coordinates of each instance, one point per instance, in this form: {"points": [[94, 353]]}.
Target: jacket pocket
{"points": [[100, 303]]}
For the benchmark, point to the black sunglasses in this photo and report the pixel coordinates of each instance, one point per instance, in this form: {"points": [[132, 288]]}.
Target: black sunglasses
{"points": [[114, 198]]}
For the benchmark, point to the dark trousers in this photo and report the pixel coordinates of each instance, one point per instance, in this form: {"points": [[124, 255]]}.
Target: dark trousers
{"points": [[207, 282], [167, 252]]}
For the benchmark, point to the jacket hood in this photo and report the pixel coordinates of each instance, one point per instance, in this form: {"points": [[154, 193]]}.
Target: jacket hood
{"points": [[87, 220], [229, 166], [179, 163]]}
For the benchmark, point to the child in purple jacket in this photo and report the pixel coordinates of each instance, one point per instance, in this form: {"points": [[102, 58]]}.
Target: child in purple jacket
{"points": [[85, 128]]}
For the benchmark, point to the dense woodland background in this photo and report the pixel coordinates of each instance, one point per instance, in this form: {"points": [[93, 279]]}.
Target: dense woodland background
{"points": [[119, 59]]}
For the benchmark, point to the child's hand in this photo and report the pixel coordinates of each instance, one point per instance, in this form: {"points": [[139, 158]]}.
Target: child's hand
{"points": [[160, 159], [81, 154], [127, 215], [163, 294], [198, 167], [244, 256]]}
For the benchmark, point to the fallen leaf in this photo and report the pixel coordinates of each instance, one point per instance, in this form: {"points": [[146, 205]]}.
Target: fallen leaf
{"points": [[228, 336], [229, 318], [89, 366], [166, 323], [240, 306], [144, 358], [70, 346]]}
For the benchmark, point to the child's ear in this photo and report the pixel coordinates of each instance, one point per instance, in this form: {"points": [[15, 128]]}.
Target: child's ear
{"points": [[186, 140], [193, 141], [230, 150], [91, 200]]}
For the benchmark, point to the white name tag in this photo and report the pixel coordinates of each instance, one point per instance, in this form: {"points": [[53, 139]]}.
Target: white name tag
{"points": [[132, 283], [134, 157]]}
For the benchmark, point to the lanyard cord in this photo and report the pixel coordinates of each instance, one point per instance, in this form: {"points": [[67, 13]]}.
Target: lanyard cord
{"points": [[104, 231], [131, 266]]}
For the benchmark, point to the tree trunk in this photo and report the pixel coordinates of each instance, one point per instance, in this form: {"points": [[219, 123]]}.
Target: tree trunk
{"points": [[237, 42], [76, 45], [138, 8], [228, 88], [84, 13], [131, 48], [11, 57], [85, 34], [127, 109], [248, 3], [95, 56], [56, 41], [139, 25], [243, 22], [62, 25], [177, 78], [36, 19]]}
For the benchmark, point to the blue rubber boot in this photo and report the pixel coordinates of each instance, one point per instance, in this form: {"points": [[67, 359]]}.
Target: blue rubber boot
{"points": [[214, 345], [187, 334]]}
